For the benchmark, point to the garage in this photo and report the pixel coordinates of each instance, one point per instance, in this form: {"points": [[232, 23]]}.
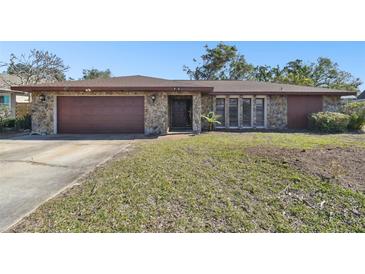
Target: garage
{"points": [[299, 108], [100, 114]]}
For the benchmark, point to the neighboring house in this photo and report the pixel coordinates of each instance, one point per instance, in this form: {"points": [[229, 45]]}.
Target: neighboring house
{"points": [[9, 98], [139, 104], [361, 97]]}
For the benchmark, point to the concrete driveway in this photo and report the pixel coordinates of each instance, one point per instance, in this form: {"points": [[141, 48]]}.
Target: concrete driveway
{"points": [[35, 168]]}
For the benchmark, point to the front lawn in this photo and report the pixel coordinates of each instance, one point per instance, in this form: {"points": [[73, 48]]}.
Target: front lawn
{"points": [[219, 182]]}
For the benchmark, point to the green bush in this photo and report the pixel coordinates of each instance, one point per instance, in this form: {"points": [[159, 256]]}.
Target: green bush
{"points": [[8, 123], [329, 121], [23, 122], [356, 111]]}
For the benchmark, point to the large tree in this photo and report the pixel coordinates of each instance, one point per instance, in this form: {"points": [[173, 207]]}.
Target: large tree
{"points": [[36, 67], [326, 73], [323, 73], [220, 63], [93, 73], [225, 62]]}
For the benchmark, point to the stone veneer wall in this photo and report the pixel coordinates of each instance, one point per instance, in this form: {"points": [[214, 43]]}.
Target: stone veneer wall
{"points": [[207, 106], [332, 103], [43, 114], [156, 113], [197, 112], [277, 112]]}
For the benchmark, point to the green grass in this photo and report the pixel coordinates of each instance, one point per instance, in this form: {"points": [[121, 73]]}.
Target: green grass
{"points": [[206, 183]]}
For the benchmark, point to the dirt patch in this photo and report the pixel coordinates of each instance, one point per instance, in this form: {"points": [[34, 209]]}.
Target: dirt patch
{"points": [[345, 166]]}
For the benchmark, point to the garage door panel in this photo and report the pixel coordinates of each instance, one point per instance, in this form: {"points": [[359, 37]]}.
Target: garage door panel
{"points": [[299, 108], [100, 114]]}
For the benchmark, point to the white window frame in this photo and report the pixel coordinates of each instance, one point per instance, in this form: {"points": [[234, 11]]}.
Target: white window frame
{"points": [[265, 110], [252, 104], [215, 105], [238, 111]]}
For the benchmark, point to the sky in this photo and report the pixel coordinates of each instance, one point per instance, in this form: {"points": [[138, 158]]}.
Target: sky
{"points": [[166, 59]]}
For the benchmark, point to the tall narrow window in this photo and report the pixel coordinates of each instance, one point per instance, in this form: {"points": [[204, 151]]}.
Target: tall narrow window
{"points": [[220, 110], [246, 112], [260, 112], [233, 112]]}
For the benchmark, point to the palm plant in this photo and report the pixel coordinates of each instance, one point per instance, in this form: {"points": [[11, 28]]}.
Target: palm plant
{"points": [[211, 118]]}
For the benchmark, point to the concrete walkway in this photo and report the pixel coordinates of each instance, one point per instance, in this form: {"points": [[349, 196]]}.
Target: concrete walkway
{"points": [[35, 168]]}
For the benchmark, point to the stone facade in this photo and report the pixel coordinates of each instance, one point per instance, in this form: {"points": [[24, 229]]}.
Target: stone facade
{"points": [[43, 118], [206, 107], [197, 112], [277, 112], [156, 112], [332, 103]]}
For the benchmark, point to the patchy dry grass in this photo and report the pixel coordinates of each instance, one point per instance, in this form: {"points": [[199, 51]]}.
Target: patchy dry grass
{"points": [[207, 183]]}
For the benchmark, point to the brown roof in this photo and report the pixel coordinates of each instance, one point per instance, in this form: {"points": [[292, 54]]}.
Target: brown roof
{"points": [[139, 83], [136, 82]]}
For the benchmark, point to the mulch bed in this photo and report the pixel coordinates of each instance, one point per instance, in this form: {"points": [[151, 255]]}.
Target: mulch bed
{"points": [[345, 166]]}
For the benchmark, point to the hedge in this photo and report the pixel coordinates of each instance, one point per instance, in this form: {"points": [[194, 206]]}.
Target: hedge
{"points": [[329, 121], [356, 111]]}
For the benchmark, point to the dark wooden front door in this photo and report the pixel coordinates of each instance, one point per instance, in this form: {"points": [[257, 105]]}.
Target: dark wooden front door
{"points": [[180, 113], [100, 114]]}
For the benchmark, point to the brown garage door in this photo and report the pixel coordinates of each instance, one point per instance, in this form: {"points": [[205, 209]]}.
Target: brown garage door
{"points": [[100, 114], [299, 107]]}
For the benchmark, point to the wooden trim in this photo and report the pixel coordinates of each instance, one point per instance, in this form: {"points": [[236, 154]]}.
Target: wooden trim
{"points": [[265, 110], [252, 103], [106, 88], [285, 93]]}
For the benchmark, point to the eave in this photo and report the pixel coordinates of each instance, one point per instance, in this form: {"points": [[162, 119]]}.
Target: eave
{"points": [[114, 88], [344, 93]]}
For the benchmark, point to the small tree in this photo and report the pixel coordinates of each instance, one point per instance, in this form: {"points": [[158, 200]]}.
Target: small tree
{"points": [[211, 118]]}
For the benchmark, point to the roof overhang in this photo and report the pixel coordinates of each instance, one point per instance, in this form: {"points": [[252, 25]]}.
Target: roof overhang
{"points": [[116, 88], [344, 93], [12, 91]]}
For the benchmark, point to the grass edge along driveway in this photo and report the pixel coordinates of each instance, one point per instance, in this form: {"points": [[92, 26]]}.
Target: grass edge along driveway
{"points": [[207, 183]]}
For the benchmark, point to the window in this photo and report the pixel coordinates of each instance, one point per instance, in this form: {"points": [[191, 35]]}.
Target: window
{"points": [[233, 112], [4, 100], [260, 112], [246, 112], [220, 110]]}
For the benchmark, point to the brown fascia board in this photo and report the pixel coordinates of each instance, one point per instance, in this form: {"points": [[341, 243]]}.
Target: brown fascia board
{"points": [[90, 89], [344, 93]]}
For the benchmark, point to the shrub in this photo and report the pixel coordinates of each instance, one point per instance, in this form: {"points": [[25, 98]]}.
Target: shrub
{"points": [[23, 122], [329, 121], [8, 123], [356, 111], [211, 118]]}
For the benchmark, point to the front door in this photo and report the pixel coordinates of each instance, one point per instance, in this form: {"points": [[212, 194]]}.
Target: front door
{"points": [[180, 113]]}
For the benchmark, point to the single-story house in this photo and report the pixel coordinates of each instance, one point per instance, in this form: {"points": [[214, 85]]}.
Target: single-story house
{"points": [[140, 104]]}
